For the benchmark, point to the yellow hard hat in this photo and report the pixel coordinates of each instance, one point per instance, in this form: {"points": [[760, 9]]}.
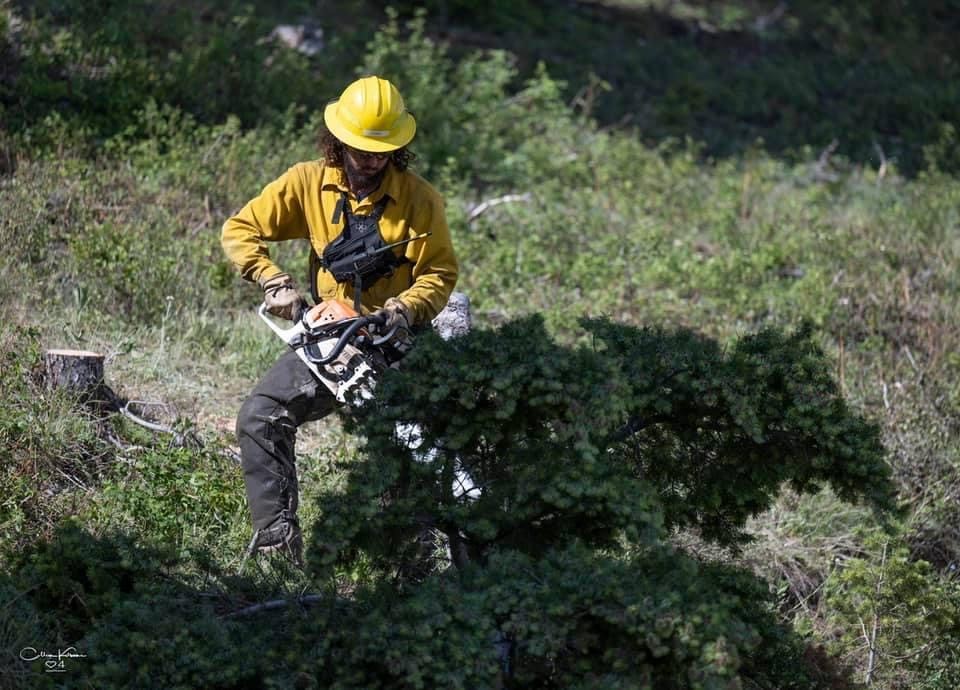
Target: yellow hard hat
{"points": [[370, 116]]}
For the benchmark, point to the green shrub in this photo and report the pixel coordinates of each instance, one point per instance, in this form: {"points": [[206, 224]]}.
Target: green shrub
{"points": [[178, 496], [149, 642], [51, 447], [572, 618], [474, 121], [893, 614], [119, 604], [21, 628], [74, 577], [98, 63], [600, 445]]}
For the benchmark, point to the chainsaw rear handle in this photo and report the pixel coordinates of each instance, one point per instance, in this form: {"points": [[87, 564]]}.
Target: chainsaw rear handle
{"points": [[385, 338]]}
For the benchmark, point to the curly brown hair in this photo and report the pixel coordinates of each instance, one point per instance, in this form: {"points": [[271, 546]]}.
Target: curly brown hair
{"points": [[333, 152]]}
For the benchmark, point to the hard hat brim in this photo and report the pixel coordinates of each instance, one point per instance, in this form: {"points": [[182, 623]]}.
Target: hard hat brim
{"points": [[402, 133]]}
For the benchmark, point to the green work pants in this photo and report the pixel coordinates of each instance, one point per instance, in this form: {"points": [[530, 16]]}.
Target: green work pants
{"points": [[287, 396]]}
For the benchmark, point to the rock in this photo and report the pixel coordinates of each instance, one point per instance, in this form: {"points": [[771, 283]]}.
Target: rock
{"points": [[455, 319], [303, 38]]}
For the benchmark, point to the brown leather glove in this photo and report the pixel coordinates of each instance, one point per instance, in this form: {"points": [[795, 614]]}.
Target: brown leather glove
{"points": [[281, 297], [397, 314]]}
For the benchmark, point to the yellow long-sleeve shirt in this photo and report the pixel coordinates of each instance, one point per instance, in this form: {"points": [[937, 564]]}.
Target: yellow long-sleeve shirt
{"points": [[301, 203]]}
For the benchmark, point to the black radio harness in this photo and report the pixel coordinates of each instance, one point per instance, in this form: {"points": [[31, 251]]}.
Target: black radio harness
{"points": [[359, 255]]}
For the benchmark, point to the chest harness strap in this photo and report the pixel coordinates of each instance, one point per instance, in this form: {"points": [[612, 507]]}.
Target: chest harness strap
{"points": [[359, 254]]}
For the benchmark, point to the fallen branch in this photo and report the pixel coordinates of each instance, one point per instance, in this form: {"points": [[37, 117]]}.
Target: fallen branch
{"points": [[490, 203], [882, 171], [153, 426], [304, 600], [820, 168], [180, 439]]}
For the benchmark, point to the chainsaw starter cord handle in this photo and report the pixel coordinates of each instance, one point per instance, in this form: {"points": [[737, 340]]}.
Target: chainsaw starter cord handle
{"points": [[376, 319], [380, 319], [385, 338]]}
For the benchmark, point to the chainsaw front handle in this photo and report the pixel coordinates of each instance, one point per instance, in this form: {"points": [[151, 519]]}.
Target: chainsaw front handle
{"points": [[287, 335], [341, 343], [298, 335]]}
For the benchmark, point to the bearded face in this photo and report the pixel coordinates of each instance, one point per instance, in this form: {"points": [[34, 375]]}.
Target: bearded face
{"points": [[364, 169]]}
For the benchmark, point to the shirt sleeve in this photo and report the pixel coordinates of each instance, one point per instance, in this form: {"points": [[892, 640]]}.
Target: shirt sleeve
{"points": [[276, 214], [435, 266]]}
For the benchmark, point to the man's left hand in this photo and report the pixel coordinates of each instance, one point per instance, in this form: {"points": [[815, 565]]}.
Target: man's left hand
{"points": [[397, 315]]}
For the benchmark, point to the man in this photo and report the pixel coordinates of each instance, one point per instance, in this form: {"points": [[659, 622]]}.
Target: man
{"points": [[361, 184]]}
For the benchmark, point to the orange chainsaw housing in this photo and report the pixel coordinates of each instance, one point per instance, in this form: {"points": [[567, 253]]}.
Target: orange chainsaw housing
{"points": [[330, 311]]}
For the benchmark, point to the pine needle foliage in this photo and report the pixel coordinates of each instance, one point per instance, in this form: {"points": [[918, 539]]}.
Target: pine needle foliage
{"points": [[641, 431], [718, 432], [554, 474]]}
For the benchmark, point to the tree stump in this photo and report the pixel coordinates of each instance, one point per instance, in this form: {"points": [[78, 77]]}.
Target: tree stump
{"points": [[78, 371]]}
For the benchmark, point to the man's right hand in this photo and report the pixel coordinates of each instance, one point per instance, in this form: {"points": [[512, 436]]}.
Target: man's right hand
{"points": [[281, 297]]}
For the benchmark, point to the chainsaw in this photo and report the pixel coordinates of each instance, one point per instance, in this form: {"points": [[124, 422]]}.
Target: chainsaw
{"points": [[335, 342], [339, 346]]}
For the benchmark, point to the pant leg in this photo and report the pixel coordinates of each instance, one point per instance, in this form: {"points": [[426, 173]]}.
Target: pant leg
{"points": [[287, 396]]}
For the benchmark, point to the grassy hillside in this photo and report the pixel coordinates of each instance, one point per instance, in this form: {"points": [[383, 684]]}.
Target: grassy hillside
{"points": [[666, 164]]}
